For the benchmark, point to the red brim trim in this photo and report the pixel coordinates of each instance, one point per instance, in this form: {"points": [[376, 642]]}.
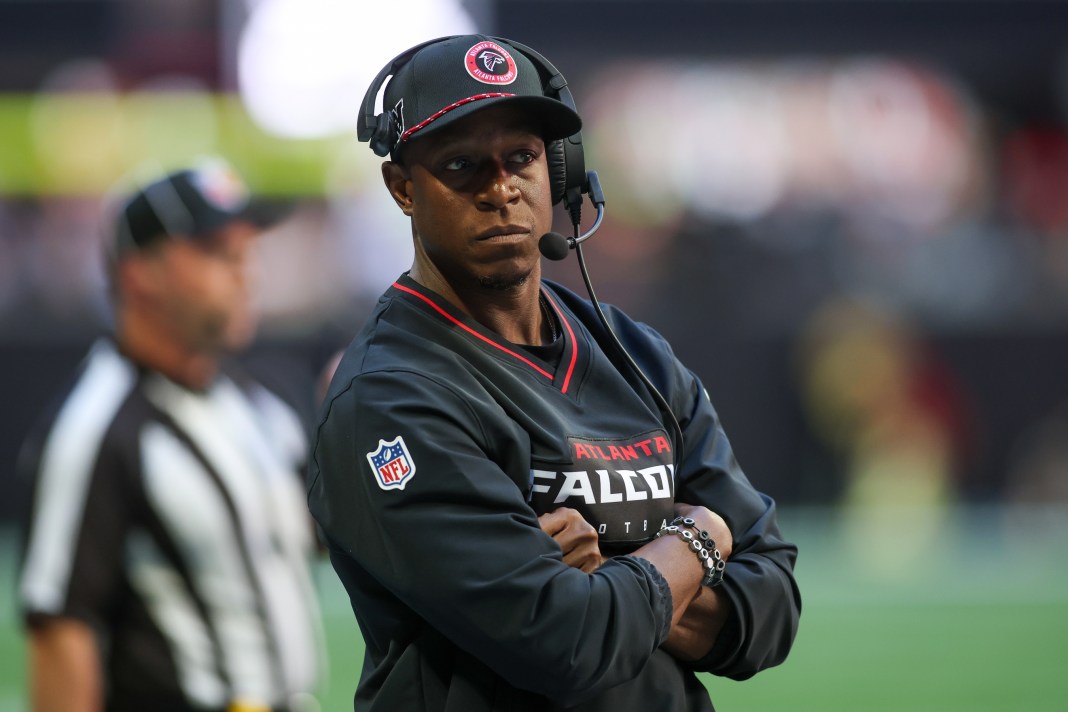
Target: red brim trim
{"points": [[438, 114]]}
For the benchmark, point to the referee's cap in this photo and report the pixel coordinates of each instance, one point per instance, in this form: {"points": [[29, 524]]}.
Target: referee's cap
{"points": [[446, 80], [189, 203]]}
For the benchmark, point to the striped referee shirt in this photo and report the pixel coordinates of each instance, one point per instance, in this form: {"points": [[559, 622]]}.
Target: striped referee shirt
{"points": [[174, 523]]}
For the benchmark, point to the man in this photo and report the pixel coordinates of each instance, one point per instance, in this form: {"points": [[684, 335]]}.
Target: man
{"points": [[165, 563], [497, 487]]}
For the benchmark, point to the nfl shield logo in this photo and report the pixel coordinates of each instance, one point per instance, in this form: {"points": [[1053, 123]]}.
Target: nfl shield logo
{"points": [[392, 464]]}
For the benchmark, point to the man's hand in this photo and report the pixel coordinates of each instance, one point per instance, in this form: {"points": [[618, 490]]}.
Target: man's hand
{"points": [[576, 537]]}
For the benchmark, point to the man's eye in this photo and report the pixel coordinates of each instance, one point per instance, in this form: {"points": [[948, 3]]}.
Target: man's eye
{"points": [[524, 157], [456, 164]]}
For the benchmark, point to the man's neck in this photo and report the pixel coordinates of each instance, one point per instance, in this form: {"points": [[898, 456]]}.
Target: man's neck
{"points": [[513, 314], [155, 350]]}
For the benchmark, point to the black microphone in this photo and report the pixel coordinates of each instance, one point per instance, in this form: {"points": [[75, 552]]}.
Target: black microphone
{"points": [[554, 246]]}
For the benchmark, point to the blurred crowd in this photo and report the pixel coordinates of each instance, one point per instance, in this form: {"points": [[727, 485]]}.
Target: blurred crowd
{"points": [[866, 224]]}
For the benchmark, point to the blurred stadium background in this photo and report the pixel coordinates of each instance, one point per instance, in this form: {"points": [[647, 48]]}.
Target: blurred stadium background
{"points": [[850, 218]]}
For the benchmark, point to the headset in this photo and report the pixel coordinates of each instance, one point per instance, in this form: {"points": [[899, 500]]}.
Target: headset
{"points": [[568, 177], [567, 165]]}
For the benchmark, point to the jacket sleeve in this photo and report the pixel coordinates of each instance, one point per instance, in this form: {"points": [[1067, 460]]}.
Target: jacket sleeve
{"points": [[458, 547], [759, 579]]}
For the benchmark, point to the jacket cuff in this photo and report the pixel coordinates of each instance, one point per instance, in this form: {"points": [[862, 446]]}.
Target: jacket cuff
{"points": [[660, 595]]}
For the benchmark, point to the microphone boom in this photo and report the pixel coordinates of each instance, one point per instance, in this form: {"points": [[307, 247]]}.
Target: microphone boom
{"points": [[555, 246]]}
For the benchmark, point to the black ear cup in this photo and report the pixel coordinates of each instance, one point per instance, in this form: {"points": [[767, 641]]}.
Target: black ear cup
{"points": [[556, 158], [575, 181], [383, 138]]}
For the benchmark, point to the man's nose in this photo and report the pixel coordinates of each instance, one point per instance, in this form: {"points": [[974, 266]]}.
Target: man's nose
{"points": [[498, 186]]}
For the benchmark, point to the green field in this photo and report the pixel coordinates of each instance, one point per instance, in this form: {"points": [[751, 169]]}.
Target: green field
{"points": [[963, 611]]}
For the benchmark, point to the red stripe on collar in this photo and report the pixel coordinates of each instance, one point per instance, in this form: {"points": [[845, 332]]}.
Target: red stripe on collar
{"points": [[474, 333], [574, 342]]}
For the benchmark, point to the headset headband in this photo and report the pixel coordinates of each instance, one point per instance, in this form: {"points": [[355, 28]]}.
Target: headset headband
{"points": [[367, 120]]}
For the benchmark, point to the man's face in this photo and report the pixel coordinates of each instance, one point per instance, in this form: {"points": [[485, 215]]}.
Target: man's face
{"points": [[200, 289], [479, 196]]}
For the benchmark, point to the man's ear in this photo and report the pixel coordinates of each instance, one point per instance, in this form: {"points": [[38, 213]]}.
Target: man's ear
{"points": [[137, 276], [398, 183]]}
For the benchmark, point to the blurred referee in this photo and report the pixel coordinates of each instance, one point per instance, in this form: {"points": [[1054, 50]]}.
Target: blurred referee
{"points": [[165, 560]]}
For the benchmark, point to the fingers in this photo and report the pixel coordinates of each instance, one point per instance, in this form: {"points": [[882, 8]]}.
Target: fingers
{"points": [[576, 537], [555, 521]]}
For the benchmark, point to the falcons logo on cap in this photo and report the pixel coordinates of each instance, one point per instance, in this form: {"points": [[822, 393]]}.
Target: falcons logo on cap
{"points": [[490, 63], [490, 60]]}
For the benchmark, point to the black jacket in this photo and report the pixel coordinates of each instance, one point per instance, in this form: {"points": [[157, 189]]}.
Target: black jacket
{"points": [[438, 447]]}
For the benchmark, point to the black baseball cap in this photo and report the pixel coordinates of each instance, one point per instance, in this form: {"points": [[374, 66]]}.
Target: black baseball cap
{"points": [[456, 76], [189, 203]]}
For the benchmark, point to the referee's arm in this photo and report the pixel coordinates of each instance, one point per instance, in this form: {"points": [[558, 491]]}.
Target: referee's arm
{"points": [[65, 673]]}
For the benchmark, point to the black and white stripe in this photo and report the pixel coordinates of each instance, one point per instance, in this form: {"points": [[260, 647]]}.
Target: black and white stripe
{"points": [[217, 544], [66, 467]]}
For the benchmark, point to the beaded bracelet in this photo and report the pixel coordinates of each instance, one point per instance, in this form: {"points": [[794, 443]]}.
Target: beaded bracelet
{"points": [[703, 545]]}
